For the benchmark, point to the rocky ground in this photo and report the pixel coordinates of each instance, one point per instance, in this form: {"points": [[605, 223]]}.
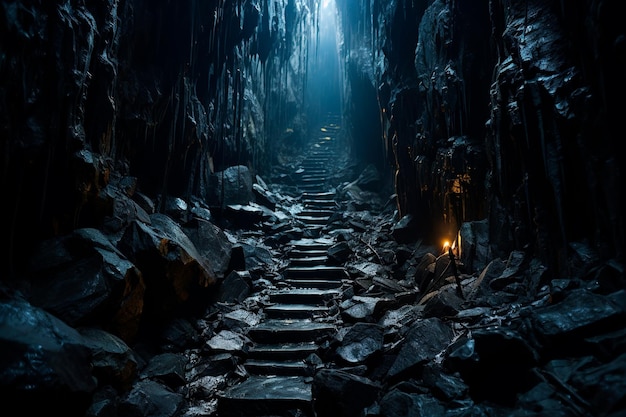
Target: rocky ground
{"points": [[157, 313]]}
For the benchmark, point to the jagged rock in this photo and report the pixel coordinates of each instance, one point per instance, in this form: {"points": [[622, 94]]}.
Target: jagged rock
{"points": [[445, 303], [167, 368], [176, 208], [84, 279], [46, 365], [240, 319], [472, 315], [607, 345], [404, 230], [400, 317], [496, 364], [444, 386], [512, 273], [150, 398], [363, 308], [339, 253], [579, 315], [257, 256], [113, 361], [544, 397], [211, 242], [212, 365], [201, 393], [119, 209], [387, 285], [229, 342], [610, 277], [176, 275], [145, 202], [360, 342], [397, 403], [231, 186], [104, 402], [263, 196], [370, 178], [337, 392], [425, 339], [367, 270], [443, 270], [604, 384], [235, 288], [237, 260], [481, 286], [425, 270], [177, 334], [475, 244], [244, 216]]}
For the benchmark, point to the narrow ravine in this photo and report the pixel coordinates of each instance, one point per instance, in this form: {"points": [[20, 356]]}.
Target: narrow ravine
{"points": [[298, 320]]}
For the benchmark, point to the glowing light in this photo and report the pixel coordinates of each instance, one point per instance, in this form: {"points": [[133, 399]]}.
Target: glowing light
{"points": [[325, 3], [446, 245]]}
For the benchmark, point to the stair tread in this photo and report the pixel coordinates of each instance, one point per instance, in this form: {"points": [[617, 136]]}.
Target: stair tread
{"points": [[276, 351], [275, 387], [312, 296], [292, 325], [293, 306], [314, 283]]}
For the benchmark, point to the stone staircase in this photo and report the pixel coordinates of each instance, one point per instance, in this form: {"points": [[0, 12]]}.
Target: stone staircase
{"points": [[299, 318]]}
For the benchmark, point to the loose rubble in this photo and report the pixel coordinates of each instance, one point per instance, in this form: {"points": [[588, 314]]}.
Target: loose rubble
{"points": [[166, 317]]}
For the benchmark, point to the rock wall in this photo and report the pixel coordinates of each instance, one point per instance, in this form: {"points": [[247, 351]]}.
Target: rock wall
{"points": [[164, 92], [499, 110]]}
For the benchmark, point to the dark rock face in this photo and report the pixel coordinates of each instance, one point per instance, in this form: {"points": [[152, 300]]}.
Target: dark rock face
{"points": [[488, 114], [166, 92]]}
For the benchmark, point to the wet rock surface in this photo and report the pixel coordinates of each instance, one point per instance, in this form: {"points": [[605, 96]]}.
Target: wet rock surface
{"points": [[320, 312]]}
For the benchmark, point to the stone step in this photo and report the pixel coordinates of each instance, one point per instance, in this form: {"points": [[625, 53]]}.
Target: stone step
{"points": [[316, 213], [313, 253], [314, 283], [328, 195], [309, 260], [311, 184], [295, 311], [316, 160], [266, 396], [283, 351], [320, 204], [304, 296], [311, 187], [325, 272], [314, 171], [281, 331], [312, 220], [317, 185], [308, 186], [314, 165], [311, 244], [312, 179], [283, 367]]}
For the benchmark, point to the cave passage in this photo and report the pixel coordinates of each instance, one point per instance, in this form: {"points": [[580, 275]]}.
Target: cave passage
{"points": [[238, 207], [324, 80]]}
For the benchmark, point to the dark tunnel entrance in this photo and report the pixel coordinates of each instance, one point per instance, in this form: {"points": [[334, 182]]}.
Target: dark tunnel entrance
{"points": [[339, 85]]}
